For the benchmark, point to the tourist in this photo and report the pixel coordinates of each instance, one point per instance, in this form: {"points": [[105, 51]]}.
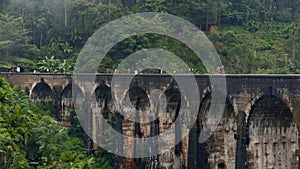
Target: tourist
{"points": [[18, 69], [218, 70], [222, 69], [191, 71]]}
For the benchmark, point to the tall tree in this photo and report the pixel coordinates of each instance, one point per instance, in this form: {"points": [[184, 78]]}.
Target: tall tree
{"points": [[13, 35]]}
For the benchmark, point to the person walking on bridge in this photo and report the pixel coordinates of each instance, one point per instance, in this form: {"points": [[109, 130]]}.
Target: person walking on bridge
{"points": [[218, 70]]}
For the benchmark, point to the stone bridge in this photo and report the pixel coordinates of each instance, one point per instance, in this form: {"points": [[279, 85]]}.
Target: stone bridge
{"points": [[259, 128]]}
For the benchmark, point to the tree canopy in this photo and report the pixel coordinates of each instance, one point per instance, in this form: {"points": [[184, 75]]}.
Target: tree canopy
{"points": [[253, 36]]}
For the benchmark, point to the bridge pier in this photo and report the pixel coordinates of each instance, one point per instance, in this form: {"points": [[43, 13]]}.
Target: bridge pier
{"points": [[294, 106], [241, 140], [298, 150]]}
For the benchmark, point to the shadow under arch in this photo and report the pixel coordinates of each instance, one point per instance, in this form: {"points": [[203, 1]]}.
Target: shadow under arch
{"points": [[221, 166], [221, 146], [174, 101], [42, 93], [68, 102], [273, 134], [103, 100], [173, 97], [138, 98]]}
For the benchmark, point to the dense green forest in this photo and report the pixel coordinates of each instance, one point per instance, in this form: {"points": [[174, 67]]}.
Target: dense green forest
{"points": [[30, 137], [254, 36]]}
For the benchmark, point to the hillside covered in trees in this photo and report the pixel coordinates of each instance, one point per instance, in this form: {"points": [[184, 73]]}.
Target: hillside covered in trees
{"points": [[254, 36]]}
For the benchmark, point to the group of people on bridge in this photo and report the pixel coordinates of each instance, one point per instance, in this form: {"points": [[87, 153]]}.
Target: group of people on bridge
{"points": [[219, 70]]}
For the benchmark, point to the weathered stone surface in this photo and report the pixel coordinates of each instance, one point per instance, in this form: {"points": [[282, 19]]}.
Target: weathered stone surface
{"points": [[273, 135]]}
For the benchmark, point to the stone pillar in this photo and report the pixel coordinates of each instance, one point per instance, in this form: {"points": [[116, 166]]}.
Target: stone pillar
{"points": [[242, 141], [193, 148], [138, 162], [118, 118], [57, 92], [86, 117], [178, 133], [298, 151], [94, 123], [297, 120], [152, 162]]}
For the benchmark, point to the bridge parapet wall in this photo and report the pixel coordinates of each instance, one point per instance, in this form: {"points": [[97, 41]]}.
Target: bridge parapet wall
{"points": [[242, 90]]}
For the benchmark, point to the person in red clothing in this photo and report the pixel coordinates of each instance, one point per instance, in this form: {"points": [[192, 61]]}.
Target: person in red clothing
{"points": [[218, 70]]}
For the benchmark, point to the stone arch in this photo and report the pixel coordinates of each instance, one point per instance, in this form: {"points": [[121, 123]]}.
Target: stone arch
{"points": [[283, 96], [206, 100], [174, 99], [68, 93], [272, 133], [221, 146], [138, 98], [103, 98], [42, 93], [67, 103], [250, 103]]}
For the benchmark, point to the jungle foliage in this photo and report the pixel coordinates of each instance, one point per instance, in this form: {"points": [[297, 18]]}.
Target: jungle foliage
{"points": [[253, 36], [31, 137]]}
